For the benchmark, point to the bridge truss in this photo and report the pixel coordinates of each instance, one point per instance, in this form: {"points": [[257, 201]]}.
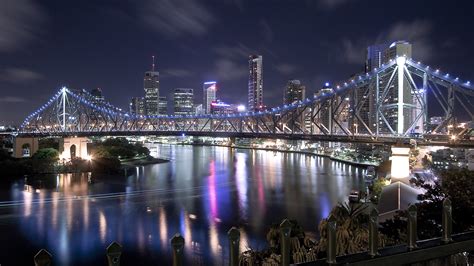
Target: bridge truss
{"points": [[369, 105]]}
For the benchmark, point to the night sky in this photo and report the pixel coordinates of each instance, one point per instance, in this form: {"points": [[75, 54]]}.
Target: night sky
{"points": [[109, 43]]}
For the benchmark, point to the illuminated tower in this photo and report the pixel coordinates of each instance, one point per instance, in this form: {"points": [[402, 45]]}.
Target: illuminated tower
{"points": [[209, 94], [255, 96], [151, 84]]}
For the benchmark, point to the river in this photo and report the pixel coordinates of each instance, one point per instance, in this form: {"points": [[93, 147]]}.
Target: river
{"points": [[201, 193]]}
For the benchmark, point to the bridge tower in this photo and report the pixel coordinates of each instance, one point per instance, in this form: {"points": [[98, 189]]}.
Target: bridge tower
{"points": [[400, 170]]}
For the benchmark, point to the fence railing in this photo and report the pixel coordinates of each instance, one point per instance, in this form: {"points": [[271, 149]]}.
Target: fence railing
{"points": [[413, 251]]}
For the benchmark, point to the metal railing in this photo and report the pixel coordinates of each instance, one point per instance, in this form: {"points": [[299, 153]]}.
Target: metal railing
{"points": [[439, 249]]}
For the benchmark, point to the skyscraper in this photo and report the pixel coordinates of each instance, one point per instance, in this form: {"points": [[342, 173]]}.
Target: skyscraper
{"points": [[137, 106], [375, 56], [162, 105], [294, 92], [209, 94], [151, 84], [183, 99], [255, 96]]}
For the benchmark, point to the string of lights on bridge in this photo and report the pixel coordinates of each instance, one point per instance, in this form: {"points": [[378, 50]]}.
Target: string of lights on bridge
{"points": [[115, 111]]}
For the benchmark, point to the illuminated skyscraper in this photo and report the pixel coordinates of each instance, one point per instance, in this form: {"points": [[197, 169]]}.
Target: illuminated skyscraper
{"points": [[209, 94], [151, 84], [137, 106], [255, 86], [163, 105], [183, 101]]}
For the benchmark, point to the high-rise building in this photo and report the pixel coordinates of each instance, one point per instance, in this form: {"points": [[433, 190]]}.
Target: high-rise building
{"points": [[209, 95], [183, 101], [97, 95], [152, 92], [198, 109], [375, 56], [294, 92], [325, 110], [137, 106], [255, 86], [162, 105], [221, 108]]}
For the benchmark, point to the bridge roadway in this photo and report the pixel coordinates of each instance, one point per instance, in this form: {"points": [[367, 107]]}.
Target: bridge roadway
{"points": [[427, 140]]}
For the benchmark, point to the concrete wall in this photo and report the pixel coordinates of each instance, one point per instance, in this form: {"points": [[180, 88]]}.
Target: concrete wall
{"points": [[19, 152], [66, 144]]}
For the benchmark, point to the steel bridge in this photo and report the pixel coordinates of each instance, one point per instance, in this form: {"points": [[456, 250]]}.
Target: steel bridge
{"points": [[388, 104]]}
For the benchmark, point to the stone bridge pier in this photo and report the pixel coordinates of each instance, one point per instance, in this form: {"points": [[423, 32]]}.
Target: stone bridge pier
{"points": [[73, 147]]}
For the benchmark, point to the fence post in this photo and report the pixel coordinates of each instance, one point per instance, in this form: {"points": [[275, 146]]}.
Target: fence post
{"points": [[43, 258], [114, 251], [412, 234], [331, 248], [285, 231], [234, 242], [373, 232], [447, 221], [177, 243]]}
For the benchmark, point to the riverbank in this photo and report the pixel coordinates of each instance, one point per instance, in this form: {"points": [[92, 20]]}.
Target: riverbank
{"points": [[338, 159], [142, 161]]}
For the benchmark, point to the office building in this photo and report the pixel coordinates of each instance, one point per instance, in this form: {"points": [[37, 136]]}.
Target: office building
{"points": [[209, 95], [294, 92], [152, 92], [162, 105], [137, 106], [183, 99], [221, 108], [198, 110], [255, 86]]}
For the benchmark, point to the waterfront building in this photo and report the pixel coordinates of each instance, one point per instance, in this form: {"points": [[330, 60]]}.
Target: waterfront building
{"points": [[255, 85], [183, 99], [209, 95]]}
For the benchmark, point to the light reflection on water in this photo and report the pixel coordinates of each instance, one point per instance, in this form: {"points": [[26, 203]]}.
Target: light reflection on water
{"points": [[201, 194]]}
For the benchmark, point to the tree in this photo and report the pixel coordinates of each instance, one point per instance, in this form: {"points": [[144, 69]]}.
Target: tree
{"points": [[458, 186], [352, 233], [49, 154]]}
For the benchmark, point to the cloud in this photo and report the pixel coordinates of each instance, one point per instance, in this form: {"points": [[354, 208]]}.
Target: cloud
{"points": [[285, 69], [354, 51], [175, 18], [12, 99], [19, 75], [232, 61], [266, 30], [416, 32], [20, 22], [227, 69], [328, 4], [235, 52], [176, 73]]}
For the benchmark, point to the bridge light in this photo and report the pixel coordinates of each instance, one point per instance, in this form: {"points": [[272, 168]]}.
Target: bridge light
{"points": [[401, 60], [437, 71]]}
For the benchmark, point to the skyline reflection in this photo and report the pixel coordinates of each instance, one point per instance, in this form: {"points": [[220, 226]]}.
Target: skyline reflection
{"points": [[201, 193]]}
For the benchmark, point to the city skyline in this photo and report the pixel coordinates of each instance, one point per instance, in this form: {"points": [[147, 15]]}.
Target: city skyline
{"points": [[40, 63]]}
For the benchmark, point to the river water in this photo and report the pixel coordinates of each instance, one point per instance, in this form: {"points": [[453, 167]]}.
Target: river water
{"points": [[201, 193]]}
